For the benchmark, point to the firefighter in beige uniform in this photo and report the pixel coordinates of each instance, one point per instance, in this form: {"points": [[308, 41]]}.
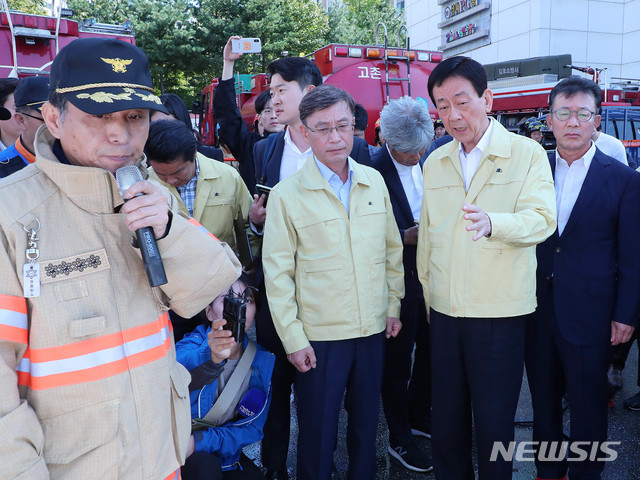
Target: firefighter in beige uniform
{"points": [[90, 385]]}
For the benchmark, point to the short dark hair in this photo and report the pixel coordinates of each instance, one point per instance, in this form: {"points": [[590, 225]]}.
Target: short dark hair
{"points": [[169, 140], [59, 101], [574, 84], [261, 101], [323, 97], [296, 69], [362, 117], [464, 67], [176, 107], [7, 87], [27, 110]]}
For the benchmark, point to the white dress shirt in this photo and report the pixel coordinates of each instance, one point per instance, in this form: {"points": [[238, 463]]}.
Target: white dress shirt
{"points": [[613, 147], [292, 158], [471, 161], [568, 183], [342, 190], [411, 179]]}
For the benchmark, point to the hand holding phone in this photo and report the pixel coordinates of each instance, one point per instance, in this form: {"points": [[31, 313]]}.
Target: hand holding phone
{"points": [[263, 190], [246, 45]]}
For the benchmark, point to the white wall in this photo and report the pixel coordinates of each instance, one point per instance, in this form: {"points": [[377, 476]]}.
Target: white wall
{"points": [[597, 33]]}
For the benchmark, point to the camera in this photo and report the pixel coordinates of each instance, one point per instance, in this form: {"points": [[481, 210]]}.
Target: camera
{"points": [[234, 311]]}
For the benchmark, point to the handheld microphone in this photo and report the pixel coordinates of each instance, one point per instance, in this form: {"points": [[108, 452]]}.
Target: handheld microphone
{"points": [[251, 402], [127, 176]]}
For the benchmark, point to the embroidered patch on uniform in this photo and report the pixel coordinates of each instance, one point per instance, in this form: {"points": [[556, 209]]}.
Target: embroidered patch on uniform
{"points": [[71, 267]]}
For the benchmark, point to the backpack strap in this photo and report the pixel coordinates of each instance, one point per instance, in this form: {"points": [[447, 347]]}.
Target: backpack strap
{"points": [[231, 390]]}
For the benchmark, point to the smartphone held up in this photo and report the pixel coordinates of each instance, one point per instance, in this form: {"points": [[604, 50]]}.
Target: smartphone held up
{"points": [[246, 45]]}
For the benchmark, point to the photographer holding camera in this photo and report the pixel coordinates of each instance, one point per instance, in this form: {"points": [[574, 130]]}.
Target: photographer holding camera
{"points": [[230, 388]]}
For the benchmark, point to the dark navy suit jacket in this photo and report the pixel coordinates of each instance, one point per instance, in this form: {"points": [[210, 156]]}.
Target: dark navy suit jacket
{"points": [[382, 162], [595, 264], [271, 175]]}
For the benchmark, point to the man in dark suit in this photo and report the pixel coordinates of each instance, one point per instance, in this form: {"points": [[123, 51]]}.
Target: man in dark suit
{"points": [[587, 283], [234, 132], [408, 131]]}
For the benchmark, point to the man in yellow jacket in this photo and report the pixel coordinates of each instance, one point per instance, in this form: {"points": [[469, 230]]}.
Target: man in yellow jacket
{"points": [[207, 190], [332, 259], [488, 200]]}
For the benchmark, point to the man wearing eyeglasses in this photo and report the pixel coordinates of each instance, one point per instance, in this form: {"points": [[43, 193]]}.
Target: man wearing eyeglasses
{"points": [[30, 95], [334, 277], [587, 281]]}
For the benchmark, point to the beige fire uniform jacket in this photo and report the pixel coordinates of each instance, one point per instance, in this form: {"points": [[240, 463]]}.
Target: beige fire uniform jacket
{"points": [[220, 195], [90, 384], [496, 276], [331, 275]]}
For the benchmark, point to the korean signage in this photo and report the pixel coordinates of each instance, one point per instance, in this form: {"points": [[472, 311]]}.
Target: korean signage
{"points": [[465, 25], [465, 31], [458, 7]]}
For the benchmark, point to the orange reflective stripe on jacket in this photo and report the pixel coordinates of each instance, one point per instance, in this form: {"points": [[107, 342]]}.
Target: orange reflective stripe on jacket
{"points": [[95, 358], [13, 319], [195, 222], [174, 476]]}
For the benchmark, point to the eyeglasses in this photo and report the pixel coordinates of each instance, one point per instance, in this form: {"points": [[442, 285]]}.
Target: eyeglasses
{"points": [[564, 114], [27, 115], [344, 129]]}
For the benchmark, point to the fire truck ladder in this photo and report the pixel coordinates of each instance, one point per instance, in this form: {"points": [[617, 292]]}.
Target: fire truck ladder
{"points": [[30, 34], [404, 58]]}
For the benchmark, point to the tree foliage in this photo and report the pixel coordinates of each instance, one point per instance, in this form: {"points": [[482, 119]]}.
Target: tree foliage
{"points": [[28, 6], [355, 22], [184, 38]]}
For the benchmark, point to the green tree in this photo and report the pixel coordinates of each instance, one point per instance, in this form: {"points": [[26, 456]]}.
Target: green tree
{"points": [[296, 26], [355, 21], [183, 39], [28, 6]]}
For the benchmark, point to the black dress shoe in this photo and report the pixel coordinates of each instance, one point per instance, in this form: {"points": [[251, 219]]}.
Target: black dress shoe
{"points": [[279, 475]]}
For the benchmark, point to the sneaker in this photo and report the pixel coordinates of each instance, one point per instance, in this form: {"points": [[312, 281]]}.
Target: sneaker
{"points": [[421, 429], [614, 376], [410, 457], [633, 403]]}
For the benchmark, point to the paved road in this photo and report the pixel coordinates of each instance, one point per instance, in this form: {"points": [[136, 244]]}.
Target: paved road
{"points": [[624, 426]]}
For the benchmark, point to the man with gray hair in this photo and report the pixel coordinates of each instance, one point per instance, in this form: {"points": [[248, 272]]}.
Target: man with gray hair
{"points": [[333, 271], [408, 131]]}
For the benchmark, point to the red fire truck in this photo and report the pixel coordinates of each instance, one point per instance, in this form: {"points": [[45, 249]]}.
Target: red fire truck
{"points": [[29, 43], [372, 74], [521, 90]]}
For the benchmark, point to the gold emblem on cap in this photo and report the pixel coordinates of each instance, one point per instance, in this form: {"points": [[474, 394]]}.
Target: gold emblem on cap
{"points": [[107, 97], [119, 65]]}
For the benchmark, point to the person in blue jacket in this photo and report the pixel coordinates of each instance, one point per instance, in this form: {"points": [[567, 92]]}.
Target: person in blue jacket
{"points": [[211, 354]]}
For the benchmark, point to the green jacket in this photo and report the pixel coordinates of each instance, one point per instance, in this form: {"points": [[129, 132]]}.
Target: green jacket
{"points": [[220, 195]]}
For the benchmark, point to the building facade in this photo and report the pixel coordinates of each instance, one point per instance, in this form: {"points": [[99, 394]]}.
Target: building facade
{"points": [[603, 34]]}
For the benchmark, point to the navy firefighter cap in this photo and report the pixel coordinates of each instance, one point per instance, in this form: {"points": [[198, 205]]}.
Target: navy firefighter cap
{"points": [[32, 92], [101, 76]]}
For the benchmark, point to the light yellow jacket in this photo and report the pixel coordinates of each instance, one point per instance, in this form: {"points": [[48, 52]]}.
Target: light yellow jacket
{"points": [[330, 276], [220, 194], [492, 277]]}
